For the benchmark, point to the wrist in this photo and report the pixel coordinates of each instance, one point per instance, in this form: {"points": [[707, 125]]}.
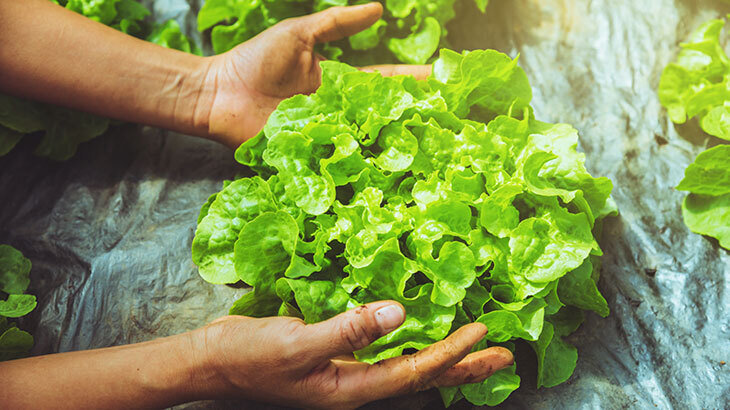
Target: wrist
{"points": [[235, 112], [194, 92], [206, 380]]}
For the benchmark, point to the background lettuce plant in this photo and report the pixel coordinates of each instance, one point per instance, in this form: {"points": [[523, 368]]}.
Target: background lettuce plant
{"points": [[445, 195], [14, 303], [410, 31], [64, 129], [697, 85]]}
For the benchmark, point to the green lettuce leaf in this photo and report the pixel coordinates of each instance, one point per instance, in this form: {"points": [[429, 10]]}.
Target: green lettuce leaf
{"points": [[527, 323], [410, 31], [577, 288], [169, 35], [14, 270], [483, 78], [17, 305], [256, 303], [445, 195], [708, 215], [709, 174], [265, 248], [14, 280], [14, 343], [556, 359], [240, 202], [493, 390], [697, 85]]}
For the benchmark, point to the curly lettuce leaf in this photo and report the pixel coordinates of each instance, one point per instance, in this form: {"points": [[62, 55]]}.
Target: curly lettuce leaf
{"points": [[8, 140], [65, 130], [265, 247], [556, 359], [14, 270], [526, 323], [391, 188], [14, 281], [696, 86], [17, 305], [169, 35], [490, 392], [410, 31], [579, 289], [240, 202], [708, 215], [493, 390], [481, 78], [709, 174], [14, 343]]}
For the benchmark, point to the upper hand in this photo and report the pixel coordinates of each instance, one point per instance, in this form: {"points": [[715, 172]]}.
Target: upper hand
{"points": [[286, 361], [249, 81]]}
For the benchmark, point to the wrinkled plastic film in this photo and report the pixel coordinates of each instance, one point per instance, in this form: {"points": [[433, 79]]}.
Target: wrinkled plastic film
{"points": [[109, 231]]}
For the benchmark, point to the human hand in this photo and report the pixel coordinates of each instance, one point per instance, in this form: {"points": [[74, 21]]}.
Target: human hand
{"points": [[286, 361], [249, 81]]}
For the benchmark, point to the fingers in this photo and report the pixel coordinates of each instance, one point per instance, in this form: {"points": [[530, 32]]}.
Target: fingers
{"points": [[404, 374], [339, 22], [475, 367], [421, 72], [352, 330]]}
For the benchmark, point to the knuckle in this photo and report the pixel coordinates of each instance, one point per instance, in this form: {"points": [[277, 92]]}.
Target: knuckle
{"points": [[289, 353], [449, 348], [287, 24], [417, 381], [290, 27], [323, 384], [289, 345], [332, 20], [354, 334]]}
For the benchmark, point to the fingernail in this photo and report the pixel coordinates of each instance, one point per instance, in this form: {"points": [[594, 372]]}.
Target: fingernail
{"points": [[389, 317]]}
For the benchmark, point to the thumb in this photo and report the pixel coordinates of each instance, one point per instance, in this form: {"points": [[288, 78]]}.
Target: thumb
{"points": [[338, 22], [354, 329]]}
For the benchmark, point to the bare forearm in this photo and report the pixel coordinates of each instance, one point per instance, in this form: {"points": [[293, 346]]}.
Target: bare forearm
{"points": [[51, 54], [160, 373]]}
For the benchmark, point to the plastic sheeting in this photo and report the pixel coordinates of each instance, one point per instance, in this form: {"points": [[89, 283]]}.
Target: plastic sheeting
{"points": [[109, 231]]}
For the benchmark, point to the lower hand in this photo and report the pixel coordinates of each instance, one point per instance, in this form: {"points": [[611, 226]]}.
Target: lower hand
{"points": [[286, 361], [249, 81]]}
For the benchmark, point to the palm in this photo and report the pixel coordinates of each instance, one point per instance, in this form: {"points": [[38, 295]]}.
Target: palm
{"points": [[290, 67], [253, 78]]}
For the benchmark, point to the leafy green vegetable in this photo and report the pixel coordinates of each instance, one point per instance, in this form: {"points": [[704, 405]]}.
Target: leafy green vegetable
{"points": [[695, 85], [410, 31], [64, 129], [169, 35], [14, 343], [698, 85], [556, 359], [17, 305], [240, 202], [494, 390], [14, 280], [491, 391], [445, 195], [124, 15], [709, 174], [708, 215], [14, 277]]}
